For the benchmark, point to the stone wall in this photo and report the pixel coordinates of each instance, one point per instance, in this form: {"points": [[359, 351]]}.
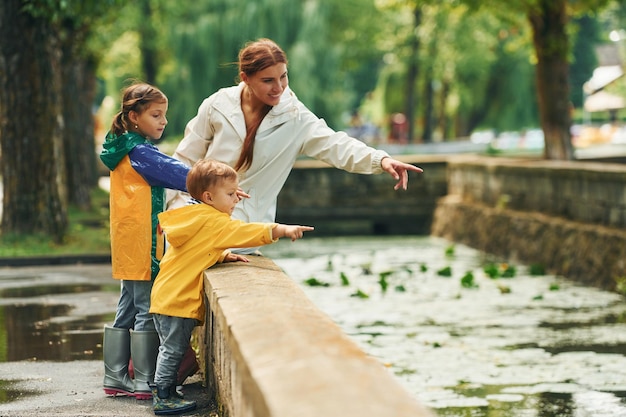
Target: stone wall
{"points": [[269, 352], [568, 216], [340, 203]]}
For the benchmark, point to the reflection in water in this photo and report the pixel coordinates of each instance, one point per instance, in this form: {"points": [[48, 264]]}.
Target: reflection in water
{"points": [[8, 393], [45, 331], [33, 336]]}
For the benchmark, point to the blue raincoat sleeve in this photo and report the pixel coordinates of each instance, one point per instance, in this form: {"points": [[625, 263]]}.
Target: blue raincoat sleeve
{"points": [[157, 168]]}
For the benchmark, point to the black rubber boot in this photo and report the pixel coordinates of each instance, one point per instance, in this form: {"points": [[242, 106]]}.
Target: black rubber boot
{"points": [[166, 402]]}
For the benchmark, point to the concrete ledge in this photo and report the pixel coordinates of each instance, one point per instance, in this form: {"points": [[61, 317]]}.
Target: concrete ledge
{"points": [[271, 353]]}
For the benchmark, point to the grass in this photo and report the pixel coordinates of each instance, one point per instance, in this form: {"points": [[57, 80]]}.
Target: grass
{"points": [[88, 233]]}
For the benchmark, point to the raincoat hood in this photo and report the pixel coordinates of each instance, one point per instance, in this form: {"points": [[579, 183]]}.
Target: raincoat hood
{"points": [[115, 148], [183, 224]]}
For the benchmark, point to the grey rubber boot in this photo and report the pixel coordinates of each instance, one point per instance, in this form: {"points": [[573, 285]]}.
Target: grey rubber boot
{"points": [[144, 348], [116, 353]]}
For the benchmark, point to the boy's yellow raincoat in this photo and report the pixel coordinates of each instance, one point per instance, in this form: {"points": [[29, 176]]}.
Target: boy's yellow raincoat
{"points": [[199, 237]]}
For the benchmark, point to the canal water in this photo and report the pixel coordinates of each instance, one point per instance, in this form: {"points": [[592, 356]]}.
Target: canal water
{"points": [[466, 334]]}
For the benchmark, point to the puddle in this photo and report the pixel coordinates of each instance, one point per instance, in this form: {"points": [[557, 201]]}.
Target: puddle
{"points": [[19, 292], [61, 322], [33, 334], [9, 392]]}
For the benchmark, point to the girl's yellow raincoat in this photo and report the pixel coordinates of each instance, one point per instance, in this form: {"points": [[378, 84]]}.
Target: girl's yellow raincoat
{"points": [[139, 173]]}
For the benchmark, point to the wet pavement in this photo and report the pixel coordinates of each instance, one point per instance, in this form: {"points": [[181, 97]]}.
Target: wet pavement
{"points": [[51, 325]]}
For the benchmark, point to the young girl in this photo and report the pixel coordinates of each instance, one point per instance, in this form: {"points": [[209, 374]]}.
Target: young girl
{"points": [[200, 235], [139, 175]]}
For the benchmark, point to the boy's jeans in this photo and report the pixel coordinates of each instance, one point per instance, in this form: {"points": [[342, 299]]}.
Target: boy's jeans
{"points": [[175, 334]]}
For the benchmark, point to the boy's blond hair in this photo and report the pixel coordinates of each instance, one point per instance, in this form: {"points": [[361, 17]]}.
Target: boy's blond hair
{"points": [[205, 174]]}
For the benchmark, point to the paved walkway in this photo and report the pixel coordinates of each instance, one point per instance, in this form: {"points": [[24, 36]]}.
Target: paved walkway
{"points": [[74, 388]]}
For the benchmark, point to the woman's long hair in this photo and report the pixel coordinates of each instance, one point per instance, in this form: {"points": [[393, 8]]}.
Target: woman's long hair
{"points": [[255, 57], [136, 97]]}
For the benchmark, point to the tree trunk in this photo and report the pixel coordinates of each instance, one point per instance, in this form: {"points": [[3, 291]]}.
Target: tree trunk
{"points": [[148, 42], [429, 97], [30, 126], [78, 133], [411, 77], [548, 20]]}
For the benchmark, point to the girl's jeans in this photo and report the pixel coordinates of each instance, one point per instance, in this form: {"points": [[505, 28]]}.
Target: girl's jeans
{"points": [[134, 306], [174, 334]]}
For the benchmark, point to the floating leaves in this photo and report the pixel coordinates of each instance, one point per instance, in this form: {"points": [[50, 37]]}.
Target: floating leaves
{"points": [[499, 270], [446, 271], [344, 279], [537, 269], [359, 294], [314, 282], [467, 281], [382, 280]]}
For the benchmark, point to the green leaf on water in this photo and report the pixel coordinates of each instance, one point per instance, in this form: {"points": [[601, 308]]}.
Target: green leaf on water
{"points": [[445, 272], [491, 270], [509, 271], [537, 269], [467, 281], [360, 294], [314, 282], [344, 279], [382, 281]]}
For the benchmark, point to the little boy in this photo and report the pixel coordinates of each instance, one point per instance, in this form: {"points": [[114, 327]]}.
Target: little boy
{"points": [[199, 235]]}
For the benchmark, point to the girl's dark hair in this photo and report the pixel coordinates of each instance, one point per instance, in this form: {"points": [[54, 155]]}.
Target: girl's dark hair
{"points": [[205, 174], [136, 97], [254, 57]]}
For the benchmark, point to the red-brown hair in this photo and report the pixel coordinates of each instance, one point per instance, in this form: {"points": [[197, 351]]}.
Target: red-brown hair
{"points": [[254, 57]]}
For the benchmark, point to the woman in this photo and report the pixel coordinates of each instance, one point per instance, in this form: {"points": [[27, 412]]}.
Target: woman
{"points": [[259, 127]]}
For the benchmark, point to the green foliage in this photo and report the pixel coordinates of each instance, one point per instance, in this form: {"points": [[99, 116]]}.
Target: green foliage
{"points": [[344, 279], [620, 285], [446, 271], [467, 281], [450, 250], [492, 270], [537, 269], [360, 294], [509, 271], [314, 282], [503, 270], [382, 281], [88, 233]]}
